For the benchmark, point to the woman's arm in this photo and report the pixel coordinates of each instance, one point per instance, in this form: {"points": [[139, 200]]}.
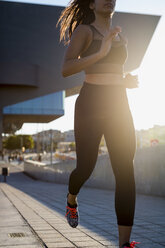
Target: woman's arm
{"points": [[80, 38], [72, 63]]}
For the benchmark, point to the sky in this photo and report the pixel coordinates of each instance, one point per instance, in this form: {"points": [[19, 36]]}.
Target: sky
{"points": [[147, 102]]}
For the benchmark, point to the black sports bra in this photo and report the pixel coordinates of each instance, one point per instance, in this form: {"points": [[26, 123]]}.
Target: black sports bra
{"points": [[117, 55]]}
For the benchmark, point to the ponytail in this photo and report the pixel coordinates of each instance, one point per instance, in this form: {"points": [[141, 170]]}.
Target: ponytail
{"points": [[78, 12]]}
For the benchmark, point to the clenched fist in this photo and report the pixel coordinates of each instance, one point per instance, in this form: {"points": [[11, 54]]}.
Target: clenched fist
{"points": [[131, 81], [107, 41]]}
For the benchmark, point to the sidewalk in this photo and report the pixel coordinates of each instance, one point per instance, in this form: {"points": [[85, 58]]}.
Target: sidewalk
{"points": [[37, 210]]}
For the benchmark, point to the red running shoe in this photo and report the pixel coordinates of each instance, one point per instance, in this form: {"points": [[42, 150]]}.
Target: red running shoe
{"points": [[131, 245], [72, 214]]}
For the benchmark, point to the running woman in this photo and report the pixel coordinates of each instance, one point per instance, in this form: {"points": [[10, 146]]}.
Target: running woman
{"points": [[102, 108]]}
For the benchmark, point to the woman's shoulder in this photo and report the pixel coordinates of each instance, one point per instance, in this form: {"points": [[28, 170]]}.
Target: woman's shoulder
{"points": [[84, 28]]}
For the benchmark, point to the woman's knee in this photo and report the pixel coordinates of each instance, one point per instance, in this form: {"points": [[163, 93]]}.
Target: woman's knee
{"points": [[81, 173]]}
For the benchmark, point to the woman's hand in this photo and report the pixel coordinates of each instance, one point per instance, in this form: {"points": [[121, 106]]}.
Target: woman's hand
{"points": [[107, 41], [131, 81]]}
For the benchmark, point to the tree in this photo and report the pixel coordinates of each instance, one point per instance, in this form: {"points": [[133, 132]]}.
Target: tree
{"points": [[72, 146], [18, 141]]}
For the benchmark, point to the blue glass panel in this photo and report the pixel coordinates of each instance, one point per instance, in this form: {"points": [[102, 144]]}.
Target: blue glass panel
{"points": [[52, 104]]}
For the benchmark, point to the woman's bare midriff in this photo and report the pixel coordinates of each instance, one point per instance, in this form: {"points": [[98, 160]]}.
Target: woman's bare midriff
{"points": [[105, 78]]}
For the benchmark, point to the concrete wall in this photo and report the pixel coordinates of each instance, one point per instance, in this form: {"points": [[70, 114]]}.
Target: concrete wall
{"points": [[149, 169]]}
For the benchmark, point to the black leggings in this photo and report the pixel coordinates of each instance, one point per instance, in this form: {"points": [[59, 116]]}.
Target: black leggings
{"points": [[104, 110]]}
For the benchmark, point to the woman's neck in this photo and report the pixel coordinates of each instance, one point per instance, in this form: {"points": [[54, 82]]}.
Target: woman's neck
{"points": [[103, 22]]}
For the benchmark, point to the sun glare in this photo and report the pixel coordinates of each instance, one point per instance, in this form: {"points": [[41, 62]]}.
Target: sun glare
{"points": [[147, 102]]}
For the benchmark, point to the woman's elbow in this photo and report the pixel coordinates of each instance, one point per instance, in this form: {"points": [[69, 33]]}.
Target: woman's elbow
{"points": [[64, 72]]}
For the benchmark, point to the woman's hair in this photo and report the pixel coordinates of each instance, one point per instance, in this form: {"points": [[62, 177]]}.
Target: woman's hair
{"points": [[78, 12]]}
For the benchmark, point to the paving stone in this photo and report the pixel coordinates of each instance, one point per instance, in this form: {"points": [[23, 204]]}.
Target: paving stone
{"points": [[160, 239], [87, 238], [54, 239], [50, 235], [91, 246], [87, 243], [63, 245], [75, 235], [150, 245], [21, 246], [104, 238]]}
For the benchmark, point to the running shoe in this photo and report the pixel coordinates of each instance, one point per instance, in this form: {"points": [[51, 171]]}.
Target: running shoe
{"points": [[127, 244], [72, 214]]}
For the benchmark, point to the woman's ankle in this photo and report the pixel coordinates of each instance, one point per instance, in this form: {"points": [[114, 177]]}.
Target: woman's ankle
{"points": [[125, 243], [71, 199]]}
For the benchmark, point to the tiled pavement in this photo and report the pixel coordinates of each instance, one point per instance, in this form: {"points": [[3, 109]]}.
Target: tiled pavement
{"points": [[37, 209]]}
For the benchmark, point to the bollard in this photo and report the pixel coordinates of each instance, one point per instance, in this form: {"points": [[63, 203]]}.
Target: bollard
{"points": [[5, 172]]}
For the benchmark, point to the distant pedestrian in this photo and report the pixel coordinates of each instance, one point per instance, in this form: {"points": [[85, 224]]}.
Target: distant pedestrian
{"points": [[2, 154], [39, 158]]}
